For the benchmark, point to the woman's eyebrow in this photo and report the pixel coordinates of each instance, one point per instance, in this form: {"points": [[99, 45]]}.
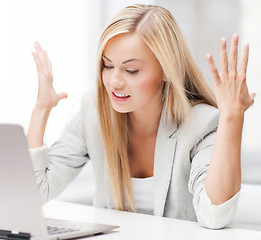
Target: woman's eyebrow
{"points": [[106, 58], [132, 59], [129, 60]]}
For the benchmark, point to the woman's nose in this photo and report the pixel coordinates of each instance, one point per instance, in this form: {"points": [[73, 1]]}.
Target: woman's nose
{"points": [[117, 81]]}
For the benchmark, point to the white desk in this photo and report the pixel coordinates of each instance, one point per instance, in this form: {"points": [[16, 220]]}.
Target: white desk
{"points": [[139, 226]]}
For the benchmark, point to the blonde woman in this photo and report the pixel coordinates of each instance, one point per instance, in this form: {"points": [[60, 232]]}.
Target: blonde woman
{"points": [[157, 141]]}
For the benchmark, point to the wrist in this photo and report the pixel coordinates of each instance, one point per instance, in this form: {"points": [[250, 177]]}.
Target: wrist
{"points": [[41, 112], [232, 115], [42, 108], [231, 123]]}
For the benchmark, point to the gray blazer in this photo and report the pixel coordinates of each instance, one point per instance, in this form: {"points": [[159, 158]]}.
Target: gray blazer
{"points": [[182, 156]]}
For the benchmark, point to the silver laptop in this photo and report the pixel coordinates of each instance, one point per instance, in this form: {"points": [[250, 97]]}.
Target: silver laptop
{"points": [[21, 214]]}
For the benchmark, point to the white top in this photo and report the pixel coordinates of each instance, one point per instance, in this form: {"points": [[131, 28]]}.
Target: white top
{"points": [[143, 194]]}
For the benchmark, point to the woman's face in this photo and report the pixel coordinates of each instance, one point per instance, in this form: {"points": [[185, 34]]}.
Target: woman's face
{"points": [[131, 74]]}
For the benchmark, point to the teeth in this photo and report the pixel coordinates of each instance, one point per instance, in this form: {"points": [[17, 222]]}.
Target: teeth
{"points": [[120, 95]]}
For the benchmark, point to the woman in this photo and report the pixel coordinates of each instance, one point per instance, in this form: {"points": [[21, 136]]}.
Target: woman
{"points": [[157, 142]]}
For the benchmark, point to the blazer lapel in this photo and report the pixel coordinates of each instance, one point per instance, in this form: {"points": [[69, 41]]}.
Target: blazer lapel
{"points": [[163, 162]]}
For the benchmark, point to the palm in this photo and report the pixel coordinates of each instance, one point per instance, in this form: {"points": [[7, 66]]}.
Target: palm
{"points": [[47, 97]]}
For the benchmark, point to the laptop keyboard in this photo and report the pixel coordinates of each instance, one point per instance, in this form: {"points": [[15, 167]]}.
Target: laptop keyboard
{"points": [[58, 230]]}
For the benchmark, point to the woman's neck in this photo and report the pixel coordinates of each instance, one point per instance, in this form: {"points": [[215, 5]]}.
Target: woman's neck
{"points": [[145, 123]]}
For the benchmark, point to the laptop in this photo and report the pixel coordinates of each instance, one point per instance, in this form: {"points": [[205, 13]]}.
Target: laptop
{"points": [[21, 214]]}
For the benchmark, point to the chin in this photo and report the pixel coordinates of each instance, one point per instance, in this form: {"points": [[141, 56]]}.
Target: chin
{"points": [[121, 109]]}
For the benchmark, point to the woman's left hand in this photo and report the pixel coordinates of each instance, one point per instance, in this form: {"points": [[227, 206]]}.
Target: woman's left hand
{"points": [[230, 86], [223, 179]]}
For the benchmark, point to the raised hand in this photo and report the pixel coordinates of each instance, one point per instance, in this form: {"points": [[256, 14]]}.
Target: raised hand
{"points": [[223, 179], [47, 97], [230, 86]]}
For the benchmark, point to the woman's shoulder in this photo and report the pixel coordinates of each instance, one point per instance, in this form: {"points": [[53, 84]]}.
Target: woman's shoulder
{"points": [[204, 114], [89, 102], [88, 107], [201, 120], [205, 117], [89, 98], [205, 109]]}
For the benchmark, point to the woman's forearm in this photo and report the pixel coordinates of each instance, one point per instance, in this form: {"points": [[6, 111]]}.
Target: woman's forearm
{"points": [[35, 134], [223, 179]]}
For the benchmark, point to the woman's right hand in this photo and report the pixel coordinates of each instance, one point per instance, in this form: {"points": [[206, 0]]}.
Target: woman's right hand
{"points": [[47, 97]]}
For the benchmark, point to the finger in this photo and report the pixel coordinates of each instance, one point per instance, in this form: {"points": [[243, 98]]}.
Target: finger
{"points": [[45, 58], [233, 57], [223, 58], [36, 59], [38, 46], [50, 65], [62, 96], [39, 59], [242, 69], [213, 68], [48, 62], [39, 52]]}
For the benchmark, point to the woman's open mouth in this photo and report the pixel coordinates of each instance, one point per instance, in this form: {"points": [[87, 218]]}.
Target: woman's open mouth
{"points": [[120, 97]]}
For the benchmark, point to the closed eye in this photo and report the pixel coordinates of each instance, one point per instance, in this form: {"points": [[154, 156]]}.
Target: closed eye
{"points": [[132, 71], [107, 67]]}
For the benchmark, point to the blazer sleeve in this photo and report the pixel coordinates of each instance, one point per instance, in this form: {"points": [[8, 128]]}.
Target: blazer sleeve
{"points": [[208, 215], [57, 166]]}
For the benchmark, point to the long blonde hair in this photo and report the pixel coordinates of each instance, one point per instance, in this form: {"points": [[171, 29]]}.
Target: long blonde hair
{"points": [[184, 87]]}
